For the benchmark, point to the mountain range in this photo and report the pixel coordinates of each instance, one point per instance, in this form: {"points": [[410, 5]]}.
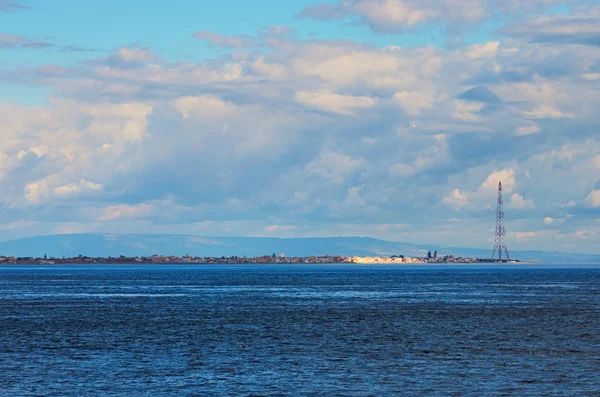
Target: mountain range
{"points": [[104, 245]]}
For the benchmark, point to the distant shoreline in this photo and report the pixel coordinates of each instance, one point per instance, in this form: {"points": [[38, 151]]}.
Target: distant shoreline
{"points": [[118, 263], [264, 259]]}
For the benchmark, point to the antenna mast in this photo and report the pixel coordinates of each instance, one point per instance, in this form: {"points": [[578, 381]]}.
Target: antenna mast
{"points": [[499, 243]]}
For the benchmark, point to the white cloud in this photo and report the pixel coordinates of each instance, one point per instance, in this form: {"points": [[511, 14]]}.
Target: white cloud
{"points": [[483, 197], [435, 155], [413, 102], [205, 106], [579, 26], [135, 55], [527, 130], [126, 211], [219, 40], [394, 16], [525, 236], [401, 170], [456, 200], [334, 103], [334, 166], [391, 14], [347, 67], [483, 51], [50, 188], [467, 111], [20, 224], [278, 229], [271, 71], [74, 189], [518, 202], [593, 199], [591, 76], [507, 177], [548, 220], [547, 112]]}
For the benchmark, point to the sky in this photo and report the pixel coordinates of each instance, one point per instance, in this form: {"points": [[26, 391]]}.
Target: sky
{"points": [[393, 119]]}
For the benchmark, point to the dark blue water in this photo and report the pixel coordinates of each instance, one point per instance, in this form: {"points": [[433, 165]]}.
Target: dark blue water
{"points": [[342, 330]]}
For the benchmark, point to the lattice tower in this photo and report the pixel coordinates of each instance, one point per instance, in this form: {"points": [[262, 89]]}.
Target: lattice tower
{"points": [[499, 243]]}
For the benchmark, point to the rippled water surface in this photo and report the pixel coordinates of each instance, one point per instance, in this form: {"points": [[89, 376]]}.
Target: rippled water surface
{"points": [[330, 330]]}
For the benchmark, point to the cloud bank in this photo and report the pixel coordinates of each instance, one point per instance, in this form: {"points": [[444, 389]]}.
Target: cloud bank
{"points": [[289, 136]]}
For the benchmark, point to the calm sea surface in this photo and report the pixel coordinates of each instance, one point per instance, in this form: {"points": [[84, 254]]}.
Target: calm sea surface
{"points": [[331, 330]]}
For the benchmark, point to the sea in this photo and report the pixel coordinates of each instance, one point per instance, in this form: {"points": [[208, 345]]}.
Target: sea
{"points": [[299, 330]]}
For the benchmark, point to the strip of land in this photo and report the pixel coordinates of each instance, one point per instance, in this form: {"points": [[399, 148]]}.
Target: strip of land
{"points": [[266, 259]]}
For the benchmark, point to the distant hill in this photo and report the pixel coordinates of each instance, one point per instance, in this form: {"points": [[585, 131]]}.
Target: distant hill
{"points": [[103, 245]]}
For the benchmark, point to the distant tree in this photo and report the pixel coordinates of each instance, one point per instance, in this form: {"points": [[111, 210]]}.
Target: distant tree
{"points": [[274, 255], [435, 254], [45, 256], [429, 255]]}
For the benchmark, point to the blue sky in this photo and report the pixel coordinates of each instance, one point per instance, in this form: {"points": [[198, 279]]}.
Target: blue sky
{"points": [[386, 118]]}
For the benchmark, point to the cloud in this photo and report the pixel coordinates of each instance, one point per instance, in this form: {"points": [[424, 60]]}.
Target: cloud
{"points": [[518, 202], [457, 200], [343, 67], [205, 106], [322, 12], [547, 112], [334, 166], [309, 133], [50, 188], [507, 177], [75, 189], [413, 102], [11, 41], [394, 16], [483, 51], [126, 211], [135, 55], [19, 224], [219, 40], [390, 15], [484, 196], [271, 71], [593, 199], [583, 27], [278, 229], [524, 236], [277, 30], [467, 110], [527, 129], [8, 6], [397, 16], [591, 76], [435, 155], [334, 103]]}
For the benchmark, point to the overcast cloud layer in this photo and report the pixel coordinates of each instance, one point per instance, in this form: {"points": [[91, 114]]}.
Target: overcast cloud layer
{"points": [[282, 133]]}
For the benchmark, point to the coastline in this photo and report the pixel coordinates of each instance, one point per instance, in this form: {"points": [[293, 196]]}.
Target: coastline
{"points": [[235, 260]]}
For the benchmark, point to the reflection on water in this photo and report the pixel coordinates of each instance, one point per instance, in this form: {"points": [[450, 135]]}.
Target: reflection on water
{"points": [[298, 330]]}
